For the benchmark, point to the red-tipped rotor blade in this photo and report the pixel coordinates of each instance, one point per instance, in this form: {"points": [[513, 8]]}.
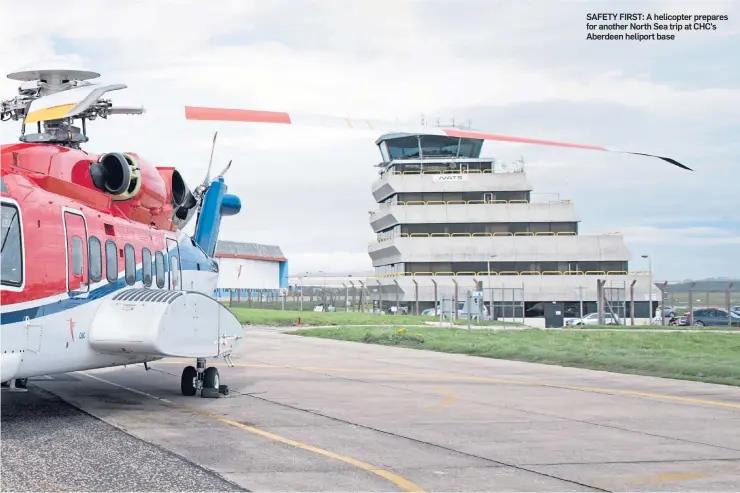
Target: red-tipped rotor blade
{"points": [[258, 116]]}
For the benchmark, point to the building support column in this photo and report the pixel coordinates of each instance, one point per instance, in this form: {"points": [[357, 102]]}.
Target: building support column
{"points": [[632, 301], [416, 295], [600, 299]]}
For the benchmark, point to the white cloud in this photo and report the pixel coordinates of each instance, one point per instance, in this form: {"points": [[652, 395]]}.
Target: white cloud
{"points": [[701, 236], [309, 189]]}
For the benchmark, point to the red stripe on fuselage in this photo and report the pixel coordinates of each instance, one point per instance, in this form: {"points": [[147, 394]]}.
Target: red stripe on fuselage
{"points": [[44, 238]]}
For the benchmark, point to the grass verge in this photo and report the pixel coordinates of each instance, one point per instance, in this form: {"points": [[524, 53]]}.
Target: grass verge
{"points": [[708, 357], [289, 318]]}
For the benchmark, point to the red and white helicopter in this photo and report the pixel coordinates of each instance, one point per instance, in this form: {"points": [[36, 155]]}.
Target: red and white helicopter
{"points": [[96, 270]]}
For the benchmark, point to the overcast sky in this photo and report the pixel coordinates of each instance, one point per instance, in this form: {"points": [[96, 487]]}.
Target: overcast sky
{"points": [[516, 67]]}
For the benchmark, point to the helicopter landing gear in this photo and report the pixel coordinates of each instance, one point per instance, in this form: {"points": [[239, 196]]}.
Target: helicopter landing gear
{"points": [[204, 379], [16, 385]]}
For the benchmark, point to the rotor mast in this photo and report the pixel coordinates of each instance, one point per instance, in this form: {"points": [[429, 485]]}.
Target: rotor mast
{"points": [[54, 99]]}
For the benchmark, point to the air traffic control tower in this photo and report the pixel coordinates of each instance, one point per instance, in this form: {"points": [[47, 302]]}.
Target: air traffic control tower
{"points": [[446, 216]]}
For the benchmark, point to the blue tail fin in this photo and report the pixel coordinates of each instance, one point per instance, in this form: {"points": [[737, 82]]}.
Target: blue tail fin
{"points": [[216, 204]]}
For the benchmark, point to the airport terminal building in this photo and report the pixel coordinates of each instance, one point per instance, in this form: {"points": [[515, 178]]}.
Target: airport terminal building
{"points": [[449, 221]]}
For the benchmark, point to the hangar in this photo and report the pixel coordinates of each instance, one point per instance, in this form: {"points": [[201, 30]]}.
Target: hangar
{"points": [[250, 269]]}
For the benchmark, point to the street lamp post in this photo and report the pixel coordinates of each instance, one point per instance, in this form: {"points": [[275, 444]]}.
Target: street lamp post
{"points": [[650, 288], [326, 301], [346, 294], [302, 278]]}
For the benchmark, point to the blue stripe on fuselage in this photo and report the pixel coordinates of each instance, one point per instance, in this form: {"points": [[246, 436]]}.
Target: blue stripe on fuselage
{"points": [[191, 258]]}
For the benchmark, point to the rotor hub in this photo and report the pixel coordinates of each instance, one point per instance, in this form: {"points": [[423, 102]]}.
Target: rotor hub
{"points": [[57, 96]]}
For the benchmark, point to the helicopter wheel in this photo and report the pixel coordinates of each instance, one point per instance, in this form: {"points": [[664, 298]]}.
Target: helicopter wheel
{"points": [[211, 383], [188, 381]]}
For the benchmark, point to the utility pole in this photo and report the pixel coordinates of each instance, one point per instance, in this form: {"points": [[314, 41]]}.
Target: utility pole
{"points": [[650, 288]]}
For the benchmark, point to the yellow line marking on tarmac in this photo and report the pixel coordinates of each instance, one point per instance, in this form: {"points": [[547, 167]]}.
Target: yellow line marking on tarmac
{"points": [[449, 397], [443, 376], [402, 483], [670, 477]]}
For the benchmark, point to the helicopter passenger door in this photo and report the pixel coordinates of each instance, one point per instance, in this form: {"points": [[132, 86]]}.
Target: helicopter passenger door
{"points": [[174, 278], [75, 231]]}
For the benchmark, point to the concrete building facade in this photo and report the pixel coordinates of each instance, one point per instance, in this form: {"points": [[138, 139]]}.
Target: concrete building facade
{"points": [[451, 221], [249, 269]]}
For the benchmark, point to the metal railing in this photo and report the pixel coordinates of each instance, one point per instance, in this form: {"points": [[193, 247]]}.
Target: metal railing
{"points": [[514, 273], [448, 171], [469, 202], [471, 235]]}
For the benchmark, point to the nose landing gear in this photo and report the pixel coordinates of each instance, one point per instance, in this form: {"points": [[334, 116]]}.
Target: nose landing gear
{"points": [[204, 379]]}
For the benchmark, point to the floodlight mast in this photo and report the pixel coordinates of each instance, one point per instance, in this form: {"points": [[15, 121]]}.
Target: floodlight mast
{"points": [[57, 98]]}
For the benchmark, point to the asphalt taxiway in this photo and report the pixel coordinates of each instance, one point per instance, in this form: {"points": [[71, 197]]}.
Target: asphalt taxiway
{"points": [[319, 415]]}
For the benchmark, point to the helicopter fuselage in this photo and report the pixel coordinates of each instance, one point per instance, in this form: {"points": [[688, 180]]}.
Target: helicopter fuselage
{"points": [[67, 247]]}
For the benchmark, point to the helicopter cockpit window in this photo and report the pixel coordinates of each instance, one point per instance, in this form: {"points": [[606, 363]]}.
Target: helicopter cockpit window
{"points": [[146, 267], [94, 259], [159, 262], [111, 261], [129, 260], [12, 249]]}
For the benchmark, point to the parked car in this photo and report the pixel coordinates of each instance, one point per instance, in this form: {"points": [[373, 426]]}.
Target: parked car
{"points": [[591, 319], [320, 308], [714, 317], [668, 311], [429, 312]]}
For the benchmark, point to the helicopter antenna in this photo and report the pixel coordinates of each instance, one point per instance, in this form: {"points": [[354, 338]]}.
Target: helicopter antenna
{"points": [[210, 161], [201, 189]]}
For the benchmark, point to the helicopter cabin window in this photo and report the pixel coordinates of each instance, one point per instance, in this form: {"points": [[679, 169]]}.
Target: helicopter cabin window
{"points": [[76, 255], [94, 259], [111, 261], [159, 262], [146, 267], [12, 249], [174, 273], [130, 264]]}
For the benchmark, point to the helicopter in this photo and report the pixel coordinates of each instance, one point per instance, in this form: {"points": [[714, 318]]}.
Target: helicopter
{"points": [[96, 268]]}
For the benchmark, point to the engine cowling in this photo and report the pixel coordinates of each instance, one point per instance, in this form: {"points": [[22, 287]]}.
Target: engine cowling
{"points": [[117, 174], [125, 176]]}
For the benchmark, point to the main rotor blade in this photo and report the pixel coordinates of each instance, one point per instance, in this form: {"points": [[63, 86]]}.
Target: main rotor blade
{"points": [[259, 116]]}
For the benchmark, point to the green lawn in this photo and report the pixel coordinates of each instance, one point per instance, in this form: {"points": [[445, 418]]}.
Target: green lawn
{"points": [[708, 357], [289, 318]]}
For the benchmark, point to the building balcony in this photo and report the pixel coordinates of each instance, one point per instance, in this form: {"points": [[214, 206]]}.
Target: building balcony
{"points": [[400, 182], [507, 247], [455, 212]]}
